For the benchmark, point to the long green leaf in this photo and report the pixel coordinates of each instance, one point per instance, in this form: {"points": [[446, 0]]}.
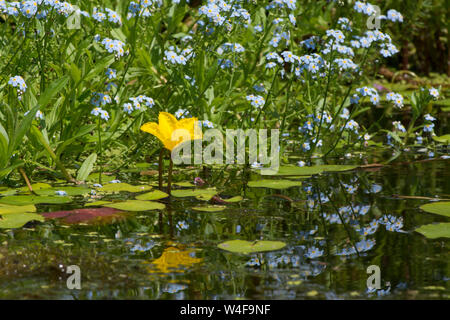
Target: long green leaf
{"points": [[86, 167], [55, 87]]}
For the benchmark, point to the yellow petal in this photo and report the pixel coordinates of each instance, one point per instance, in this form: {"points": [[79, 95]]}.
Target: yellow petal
{"points": [[167, 124]]}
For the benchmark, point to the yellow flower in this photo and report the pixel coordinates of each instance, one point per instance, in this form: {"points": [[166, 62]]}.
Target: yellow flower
{"points": [[172, 132]]}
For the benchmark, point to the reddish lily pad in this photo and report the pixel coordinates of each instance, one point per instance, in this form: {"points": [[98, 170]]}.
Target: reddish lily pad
{"points": [[85, 215]]}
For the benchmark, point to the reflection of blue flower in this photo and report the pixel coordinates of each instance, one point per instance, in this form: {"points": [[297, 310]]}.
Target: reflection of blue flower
{"points": [[313, 252]]}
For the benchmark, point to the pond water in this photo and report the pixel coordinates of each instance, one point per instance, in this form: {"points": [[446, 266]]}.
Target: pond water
{"points": [[335, 225]]}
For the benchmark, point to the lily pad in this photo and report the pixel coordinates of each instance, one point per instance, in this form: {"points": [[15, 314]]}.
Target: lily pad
{"points": [[136, 205], [97, 203], [209, 208], [154, 195], [242, 246], [435, 230], [71, 191], [93, 177], [274, 184], [308, 171], [85, 215], [234, 199], [27, 200], [441, 208], [203, 193], [35, 187], [6, 209], [118, 187], [17, 220]]}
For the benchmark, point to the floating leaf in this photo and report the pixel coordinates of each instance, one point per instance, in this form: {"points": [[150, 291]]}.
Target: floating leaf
{"points": [[26, 200], [234, 199], [136, 205], [203, 193], [242, 246], [274, 184], [308, 171], [97, 203], [93, 177], [71, 191], [210, 208], [35, 187], [154, 195], [118, 187], [436, 230], [85, 215], [17, 220], [442, 208], [6, 209]]}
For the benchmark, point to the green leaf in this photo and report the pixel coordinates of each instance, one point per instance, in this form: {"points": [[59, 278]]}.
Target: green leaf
{"points": [[11, 221], [308, 171], [242, 246], [97, 203], [87, 167], [442, 208], [36, 186], [234, 199], [7, 209], [274, 184], [54, 88], [118, 187], [154, 195], [435, 230], [26, 200], [202, 193], [209, 208], [136, 205], [442, 139], [71, 191]]}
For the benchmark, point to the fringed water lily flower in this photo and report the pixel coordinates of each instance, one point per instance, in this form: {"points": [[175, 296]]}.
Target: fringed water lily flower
{"points": [[166, 129], [172, 132]]}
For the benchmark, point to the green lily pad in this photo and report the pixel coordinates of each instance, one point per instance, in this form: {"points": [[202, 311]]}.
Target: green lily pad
{"points": [[6, 209], [242, 246], [209, 208], [7, 191], [442, 208], [93, 177], [71, 191], [11, 221], [26, 200], [435, 230], [154, 195], [309, 171], [184, 184], [442, 139], [118, 187], [202, 193], [136, 205], [36, 186], [274, 184], [234, 199], [97, 203]]}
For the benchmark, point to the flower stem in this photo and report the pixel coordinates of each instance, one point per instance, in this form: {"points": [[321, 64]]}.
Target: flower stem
{"points": [[160, 169], [169, 182], [100, 151]]}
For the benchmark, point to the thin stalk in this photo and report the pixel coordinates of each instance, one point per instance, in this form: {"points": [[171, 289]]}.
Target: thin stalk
{"points": [[100, 150], [160, 169]]}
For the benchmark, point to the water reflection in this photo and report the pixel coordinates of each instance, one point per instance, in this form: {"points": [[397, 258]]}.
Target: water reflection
{"points": [[335, 225]]}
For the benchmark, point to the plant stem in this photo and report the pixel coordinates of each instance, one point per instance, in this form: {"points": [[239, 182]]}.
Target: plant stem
{"points": [[160, 169], [100, 151], [169, 181]]}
